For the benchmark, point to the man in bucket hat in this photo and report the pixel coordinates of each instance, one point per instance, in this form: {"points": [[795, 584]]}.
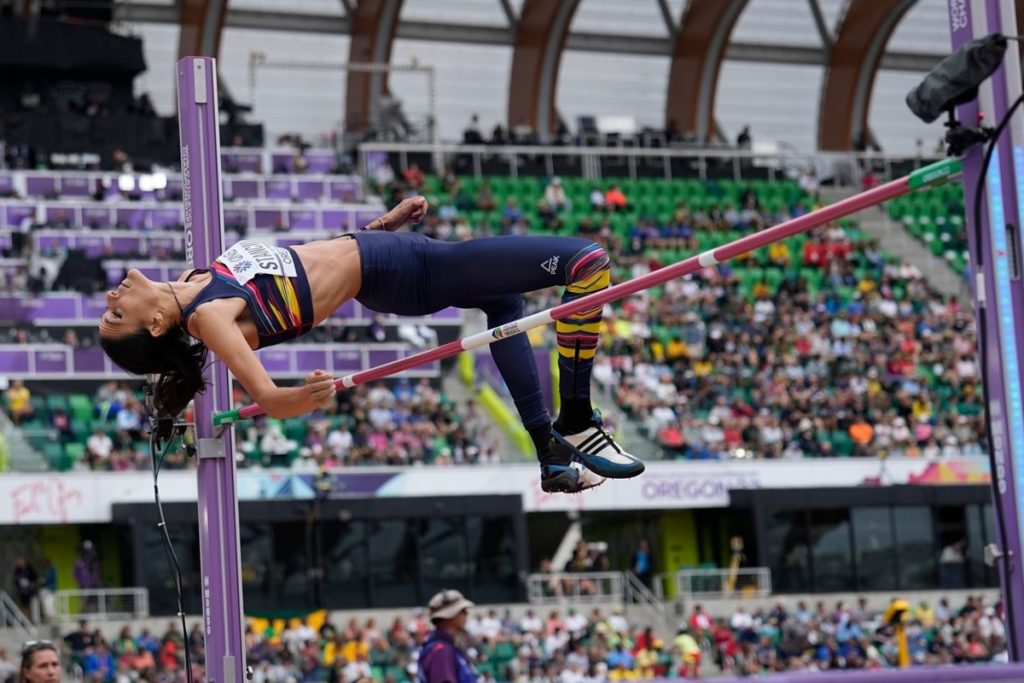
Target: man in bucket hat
{"points": [[441, 660]]}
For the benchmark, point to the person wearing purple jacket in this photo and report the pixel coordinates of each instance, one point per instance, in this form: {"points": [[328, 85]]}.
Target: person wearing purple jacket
{"points": [[441, 660]]}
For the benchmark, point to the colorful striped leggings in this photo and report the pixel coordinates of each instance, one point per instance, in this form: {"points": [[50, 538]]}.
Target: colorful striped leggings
{"points": [[410, 274]]}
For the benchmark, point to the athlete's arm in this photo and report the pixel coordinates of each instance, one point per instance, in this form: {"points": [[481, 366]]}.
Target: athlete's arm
{"points": [[228, 343], [408, 211]]}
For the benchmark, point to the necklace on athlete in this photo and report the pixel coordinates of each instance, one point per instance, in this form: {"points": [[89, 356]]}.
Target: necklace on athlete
{"points": [[180, 309]]}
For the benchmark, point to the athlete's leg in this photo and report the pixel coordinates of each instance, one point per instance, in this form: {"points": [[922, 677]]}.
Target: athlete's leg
{"points": [[489, 274]]}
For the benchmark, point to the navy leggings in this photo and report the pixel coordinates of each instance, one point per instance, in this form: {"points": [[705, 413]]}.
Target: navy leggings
{"points": [[410, 274]]}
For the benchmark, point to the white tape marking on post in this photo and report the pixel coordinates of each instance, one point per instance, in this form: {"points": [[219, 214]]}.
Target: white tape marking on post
{"points": [[199, 72], [707, 259]]}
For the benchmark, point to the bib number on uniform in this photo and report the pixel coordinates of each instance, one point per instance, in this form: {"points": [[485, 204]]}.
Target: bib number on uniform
{"points": [[247, 259]]}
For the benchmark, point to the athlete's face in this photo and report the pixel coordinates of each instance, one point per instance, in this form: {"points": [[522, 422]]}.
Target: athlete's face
{"points": [[130, 307]]}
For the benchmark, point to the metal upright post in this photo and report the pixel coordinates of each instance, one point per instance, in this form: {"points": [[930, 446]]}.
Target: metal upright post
{"points": [[998, 291], [220, 555]]}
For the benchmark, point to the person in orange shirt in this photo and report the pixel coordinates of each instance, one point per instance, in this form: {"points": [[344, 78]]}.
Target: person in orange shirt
{"points": [[861, 432], [614, 199]]}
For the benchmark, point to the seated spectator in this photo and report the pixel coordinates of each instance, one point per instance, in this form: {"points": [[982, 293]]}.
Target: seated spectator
{"points": [[19, 401], [554, 195], [615, 199]]}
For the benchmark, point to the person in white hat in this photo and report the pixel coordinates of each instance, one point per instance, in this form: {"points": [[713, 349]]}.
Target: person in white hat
{"points": [[441, 660]]}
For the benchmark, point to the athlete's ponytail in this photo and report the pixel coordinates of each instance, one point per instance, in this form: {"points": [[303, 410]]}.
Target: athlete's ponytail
{"points": [[174, 356]]}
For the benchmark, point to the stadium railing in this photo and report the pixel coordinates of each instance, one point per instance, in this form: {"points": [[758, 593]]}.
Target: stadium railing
{"points": [[772, 163], [715, 584], [11, 617], [103, 604]]}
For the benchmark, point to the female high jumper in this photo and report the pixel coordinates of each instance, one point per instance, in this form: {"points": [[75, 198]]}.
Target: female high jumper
{"points": [[255, 295]]}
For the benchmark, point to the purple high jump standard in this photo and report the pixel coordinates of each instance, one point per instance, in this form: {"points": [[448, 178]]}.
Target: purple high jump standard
{"points": [[998, 291], [218, 503]]}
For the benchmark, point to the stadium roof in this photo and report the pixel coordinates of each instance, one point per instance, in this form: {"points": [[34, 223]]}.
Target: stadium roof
{"points": [[848, 37]]}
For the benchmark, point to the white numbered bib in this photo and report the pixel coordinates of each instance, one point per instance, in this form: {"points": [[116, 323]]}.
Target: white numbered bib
{"points": [[247, 259]]}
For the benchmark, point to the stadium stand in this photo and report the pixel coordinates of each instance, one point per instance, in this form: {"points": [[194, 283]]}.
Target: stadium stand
{"points": [[936, 218], [569, 645]]}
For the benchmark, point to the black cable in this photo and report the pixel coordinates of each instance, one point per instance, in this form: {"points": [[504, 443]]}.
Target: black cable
{"points": [[158, 460], [983, 358]]}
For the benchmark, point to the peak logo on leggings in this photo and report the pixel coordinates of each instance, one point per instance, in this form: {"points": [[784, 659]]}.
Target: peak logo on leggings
{"points": [[551, 265]]}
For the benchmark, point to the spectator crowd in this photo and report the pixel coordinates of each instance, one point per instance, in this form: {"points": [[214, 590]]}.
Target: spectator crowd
{"points": [[563, 646]]}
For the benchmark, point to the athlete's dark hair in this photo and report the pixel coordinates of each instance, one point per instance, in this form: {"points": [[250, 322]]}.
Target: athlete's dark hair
{"points": [[174, 356]]}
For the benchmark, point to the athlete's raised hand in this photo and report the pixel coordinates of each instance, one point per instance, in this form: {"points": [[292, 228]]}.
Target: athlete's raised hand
{"points": [[408, 211], [320, 386]]}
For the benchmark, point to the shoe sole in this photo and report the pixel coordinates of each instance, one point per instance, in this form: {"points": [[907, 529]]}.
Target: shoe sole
{"points": [[573, 490], [598, 465]]}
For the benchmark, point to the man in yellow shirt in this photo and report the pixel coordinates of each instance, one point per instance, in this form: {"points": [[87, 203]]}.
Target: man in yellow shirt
{"points": [[19, 401], [689, 652]]}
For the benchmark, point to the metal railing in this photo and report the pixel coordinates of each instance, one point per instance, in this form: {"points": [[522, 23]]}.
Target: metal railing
{"points": [[633, 162], [711, 584], [561, 587], [12, 617], [639, 596], [103, 604]]}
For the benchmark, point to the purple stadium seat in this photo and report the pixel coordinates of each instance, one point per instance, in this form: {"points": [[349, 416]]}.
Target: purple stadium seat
{"points": [[95, 246], [17, 213], [134, 218], [243, 188], [51, 361], [89, 360], [6, 185], [309, 190], [173, 190], [167, 218], [347, 360], [125, 244], [302, 219], [278, 360], [236, 218], [345, 190], [40, 185], [97, 218], [63, 215], [320, 161], [281, 162], [75, 186], [244, 162], [336, 219], [364, 217], [308, 360], [14, 360], [277, 188], [270, 219], [381, 356]]}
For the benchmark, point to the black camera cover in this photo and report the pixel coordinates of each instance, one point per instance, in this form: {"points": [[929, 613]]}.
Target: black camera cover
{"points": [[957, 77]]}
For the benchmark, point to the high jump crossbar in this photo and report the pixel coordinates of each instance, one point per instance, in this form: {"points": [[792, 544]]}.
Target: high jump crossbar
{"points": [[933, 174]]}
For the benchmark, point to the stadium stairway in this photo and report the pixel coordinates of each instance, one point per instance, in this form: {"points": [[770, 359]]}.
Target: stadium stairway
{"points": [[894, 238], [23, 458]]}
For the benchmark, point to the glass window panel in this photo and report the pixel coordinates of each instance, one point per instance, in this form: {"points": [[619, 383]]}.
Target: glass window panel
{"points": [[393, 560], [257, 569], [443, 559], [158, 574], [915, 545], [786, 551], [951, 534], [492, 553], [874, 548], [830, 550], [294, 583], [346, 580]]}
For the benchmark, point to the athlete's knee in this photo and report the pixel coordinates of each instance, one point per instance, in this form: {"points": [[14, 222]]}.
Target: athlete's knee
{"points": [[589, 269]]}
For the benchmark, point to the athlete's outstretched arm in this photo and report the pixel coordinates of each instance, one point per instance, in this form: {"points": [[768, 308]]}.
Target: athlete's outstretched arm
{"points": [[226, 341]]}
